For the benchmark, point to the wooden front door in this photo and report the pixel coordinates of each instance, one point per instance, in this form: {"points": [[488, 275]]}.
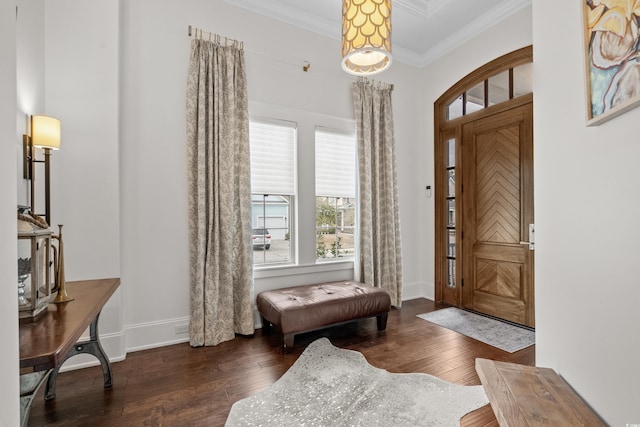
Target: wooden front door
{"points": [[497, 203]]}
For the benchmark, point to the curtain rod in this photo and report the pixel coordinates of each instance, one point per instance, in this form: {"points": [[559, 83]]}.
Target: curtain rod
{"points": [[195, 32], [201, 34], [375, 83]]}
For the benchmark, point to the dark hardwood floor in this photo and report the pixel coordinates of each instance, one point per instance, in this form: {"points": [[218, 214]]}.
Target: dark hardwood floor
{"points": [[183, 386]]}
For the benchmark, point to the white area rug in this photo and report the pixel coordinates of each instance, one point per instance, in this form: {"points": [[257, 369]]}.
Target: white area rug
{"points": [[498, 334], [330, 386]]}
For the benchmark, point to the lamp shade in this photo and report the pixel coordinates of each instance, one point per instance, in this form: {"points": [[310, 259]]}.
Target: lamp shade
{"points": [[45, 132], [366, 36]]}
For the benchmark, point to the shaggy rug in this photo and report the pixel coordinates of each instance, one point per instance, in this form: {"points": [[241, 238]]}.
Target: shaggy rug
{"points": [[330, 386], [498, 334]]}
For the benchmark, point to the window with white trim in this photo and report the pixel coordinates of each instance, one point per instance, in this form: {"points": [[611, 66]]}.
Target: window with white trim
{"points": [[335, 165], [273, 187]]}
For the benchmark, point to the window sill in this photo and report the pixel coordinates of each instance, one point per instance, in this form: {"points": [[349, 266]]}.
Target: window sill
{"points": [[291, 270]]}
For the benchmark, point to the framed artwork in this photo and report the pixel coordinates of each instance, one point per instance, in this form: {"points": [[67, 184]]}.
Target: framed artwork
{"points": [[612, 45]]}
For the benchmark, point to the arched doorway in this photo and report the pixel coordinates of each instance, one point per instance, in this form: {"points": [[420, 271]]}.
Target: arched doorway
{"points": [[484, 190]]}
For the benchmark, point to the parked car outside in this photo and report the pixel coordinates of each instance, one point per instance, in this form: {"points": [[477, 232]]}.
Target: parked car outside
{"points": [[261, 238]]}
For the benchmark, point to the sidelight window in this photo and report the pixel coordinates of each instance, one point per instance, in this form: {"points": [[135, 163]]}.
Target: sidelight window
{"points": [[451, 213]]}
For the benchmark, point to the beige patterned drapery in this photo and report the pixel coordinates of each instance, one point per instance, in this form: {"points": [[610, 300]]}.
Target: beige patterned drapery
{"points": [[380, 262], [221, 267]]}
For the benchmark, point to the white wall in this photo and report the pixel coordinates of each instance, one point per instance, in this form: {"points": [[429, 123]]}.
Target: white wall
{"points": [[587, 210], [155, 54], [30, 67], [119, 180], [510, 34], [9, 391], [81, 86], [127, 74]]}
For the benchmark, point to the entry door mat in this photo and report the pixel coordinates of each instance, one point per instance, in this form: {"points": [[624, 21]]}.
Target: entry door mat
{"points": [[502, 335]]}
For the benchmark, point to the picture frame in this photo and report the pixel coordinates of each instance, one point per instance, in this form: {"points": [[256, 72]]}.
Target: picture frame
{"points": [[612, 59]]}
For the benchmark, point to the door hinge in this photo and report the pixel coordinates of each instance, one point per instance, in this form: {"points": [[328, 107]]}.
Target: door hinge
{"points": [[462, 283]]}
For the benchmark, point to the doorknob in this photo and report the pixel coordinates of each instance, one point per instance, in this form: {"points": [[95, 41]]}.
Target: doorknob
{"points": [[532, 238]]}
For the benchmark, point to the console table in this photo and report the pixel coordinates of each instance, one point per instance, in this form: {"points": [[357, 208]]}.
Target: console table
{"points": [[45, 344]]}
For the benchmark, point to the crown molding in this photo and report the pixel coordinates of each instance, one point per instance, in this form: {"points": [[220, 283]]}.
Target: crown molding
{"points": [[421, 8], [424, 9], [292, 16], [482, 23]]}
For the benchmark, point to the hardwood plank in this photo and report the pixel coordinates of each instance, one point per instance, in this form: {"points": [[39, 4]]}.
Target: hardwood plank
{"points": [[179, 385]]}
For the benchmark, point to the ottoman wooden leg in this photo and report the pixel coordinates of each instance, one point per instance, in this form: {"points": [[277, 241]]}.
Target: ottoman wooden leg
{"points": [[288, 341], [382, 321], [266, 326]]}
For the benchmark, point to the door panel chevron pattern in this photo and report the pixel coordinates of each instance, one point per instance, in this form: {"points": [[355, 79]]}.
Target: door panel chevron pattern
{"points": [[500, 279], [498, 186]]}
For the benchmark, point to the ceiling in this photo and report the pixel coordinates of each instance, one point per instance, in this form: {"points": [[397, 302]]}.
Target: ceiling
{"points": [[422, 30]]}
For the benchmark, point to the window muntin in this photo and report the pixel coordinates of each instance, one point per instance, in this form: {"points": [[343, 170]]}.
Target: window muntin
{"points": [[503, 86], [335, 166]]}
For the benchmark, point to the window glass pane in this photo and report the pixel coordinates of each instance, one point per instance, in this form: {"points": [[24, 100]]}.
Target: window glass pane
{"points": [[271, 232], [451, 243], [335, 163], [523, 79], [499, 88], [273, 176], [335, 227], [451, 273], [454, 110], [451, 183], [451, 153], [451, 212], [475, 98], [272, 157]]}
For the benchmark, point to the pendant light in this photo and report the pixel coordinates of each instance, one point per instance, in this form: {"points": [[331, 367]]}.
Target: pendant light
{"points": [[366, 36]]}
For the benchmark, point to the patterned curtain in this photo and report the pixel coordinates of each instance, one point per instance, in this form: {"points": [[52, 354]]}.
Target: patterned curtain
{"points": [[380, 260], [219, 194]]}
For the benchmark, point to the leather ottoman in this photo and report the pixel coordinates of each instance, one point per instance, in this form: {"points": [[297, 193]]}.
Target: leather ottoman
{"points": [[311, 307]]}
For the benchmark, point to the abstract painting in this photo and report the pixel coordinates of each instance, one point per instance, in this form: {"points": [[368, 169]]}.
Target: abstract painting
{"points": [[612, 56]]}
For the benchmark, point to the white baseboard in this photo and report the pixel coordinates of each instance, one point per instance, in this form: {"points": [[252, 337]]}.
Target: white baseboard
{"points": [[144, 336], [137, 337], [417, 290], [113, 345]]}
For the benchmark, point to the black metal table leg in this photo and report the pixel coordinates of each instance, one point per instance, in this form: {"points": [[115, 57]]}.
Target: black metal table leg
{"points": [[93, 347]]}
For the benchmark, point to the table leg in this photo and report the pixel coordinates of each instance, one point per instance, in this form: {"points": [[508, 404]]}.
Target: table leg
{"points": [[92, 347], [29, 385]]}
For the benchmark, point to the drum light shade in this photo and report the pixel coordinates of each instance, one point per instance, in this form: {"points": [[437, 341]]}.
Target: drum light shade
{"points": [[45, 132], [366, 36]]}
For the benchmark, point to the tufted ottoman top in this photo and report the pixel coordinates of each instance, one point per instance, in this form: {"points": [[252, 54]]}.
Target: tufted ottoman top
{"points": [[302, 308]]}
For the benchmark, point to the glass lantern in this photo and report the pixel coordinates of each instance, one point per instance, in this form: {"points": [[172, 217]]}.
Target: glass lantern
{"points": [[34, 281]]}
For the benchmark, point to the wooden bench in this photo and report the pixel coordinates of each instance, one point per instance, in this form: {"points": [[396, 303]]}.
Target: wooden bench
{"points": [[522, 395], [310, 307]]}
